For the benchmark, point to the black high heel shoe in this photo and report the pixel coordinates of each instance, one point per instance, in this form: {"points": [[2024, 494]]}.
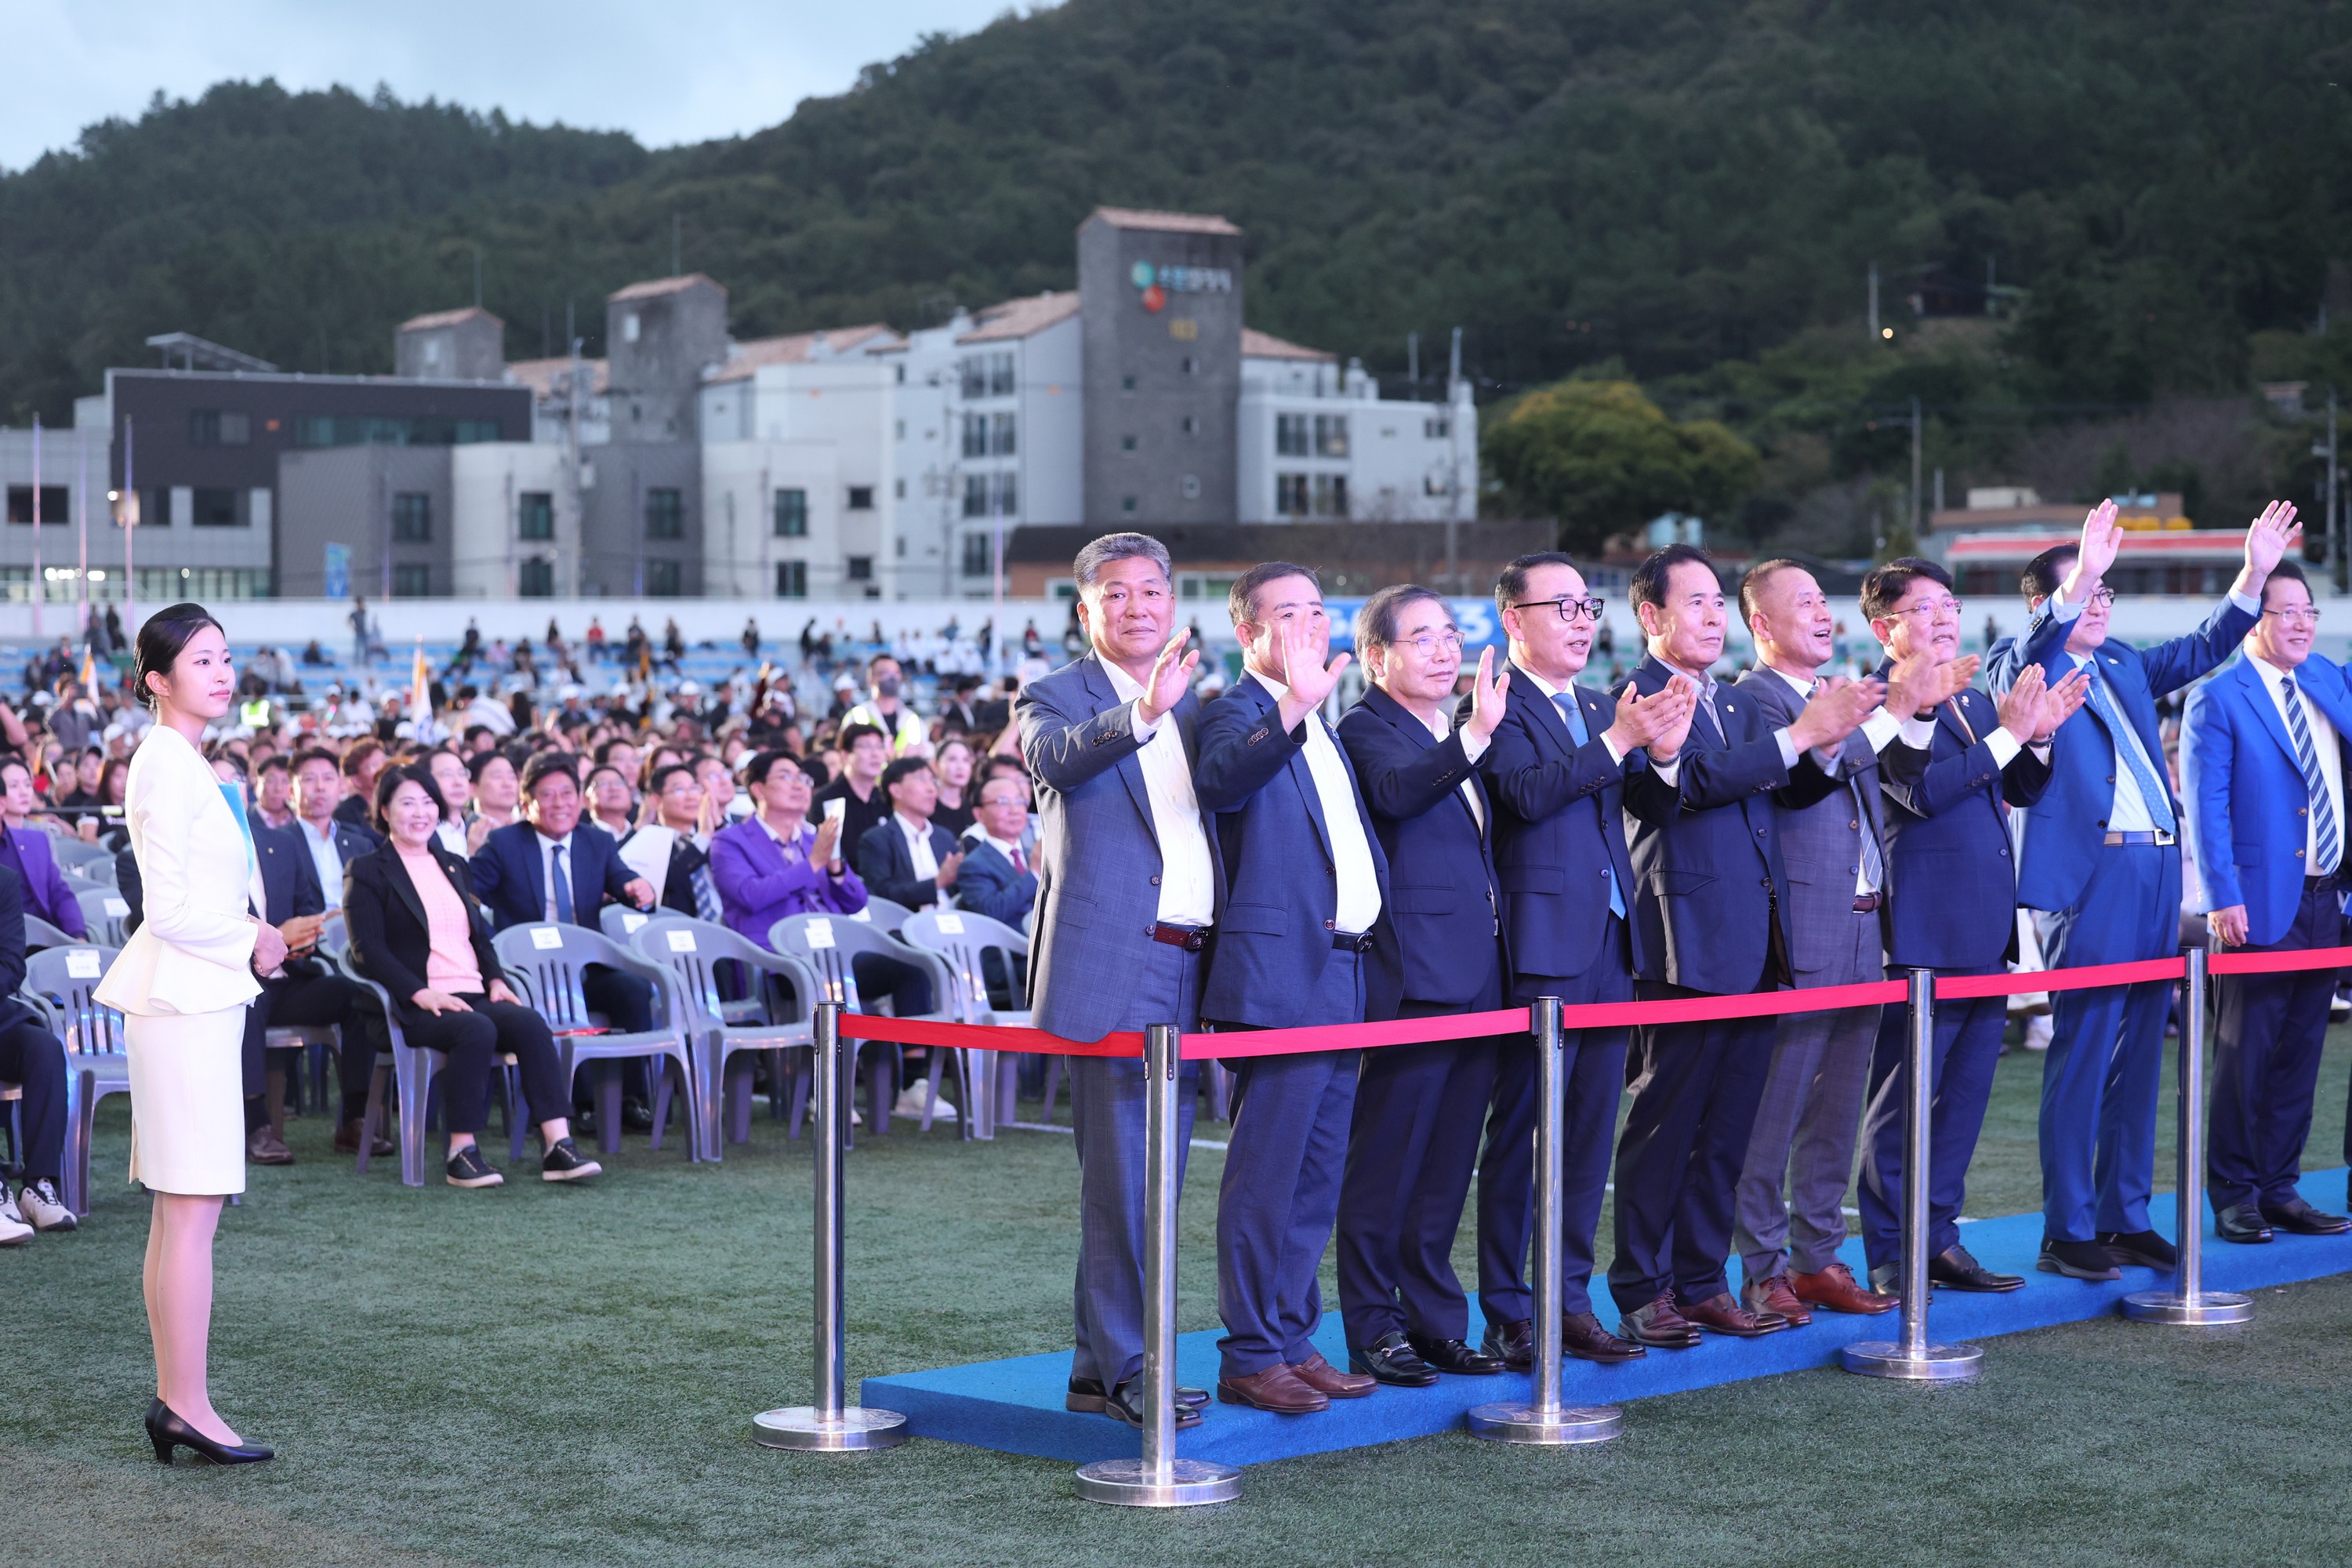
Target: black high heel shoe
{"points": [[168, 1432]]}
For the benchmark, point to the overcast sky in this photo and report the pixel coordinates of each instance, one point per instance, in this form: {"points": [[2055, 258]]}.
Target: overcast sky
{"points": [[675, 70]]}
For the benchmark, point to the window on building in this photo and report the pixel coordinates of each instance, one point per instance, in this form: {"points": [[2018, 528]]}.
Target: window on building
{"points": [[665, 579], [899, 427], [1127, 503], [216, 509], [792, 514], [1127, 443], [1292, 432], [1330, 435], [861, 497], [979, 555], [665, 514], [1008, 494], [412, 579], [535, 515], [991, 495], [899, 489], [988, 375], [1127, 384], [536, 580], [859, 568], [412, 517], [1191, 487], [792, 579], [1190, 425], [219, 427], [53, 504], [975, 434], [1437, 429], [362, 430], [999, 435], [1000, 376], [1330, 495], [1192, 366], [1290, 495]]}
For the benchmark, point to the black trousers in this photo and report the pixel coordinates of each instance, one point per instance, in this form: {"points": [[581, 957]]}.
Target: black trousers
{"points": [[307, 996], [473, 1041], [35, 1060]]}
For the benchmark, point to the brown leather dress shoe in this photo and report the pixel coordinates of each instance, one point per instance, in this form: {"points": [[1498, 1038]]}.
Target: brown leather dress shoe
{"points": [[1582, 1336], [1835, 1290], [1659, 1324], [1329, 1381], [263, 1146], [1724, 1315], [347, 1141], [1277, 1388], [1775, 1296]]}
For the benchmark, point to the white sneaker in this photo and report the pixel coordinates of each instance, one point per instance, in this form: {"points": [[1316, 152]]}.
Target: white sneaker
{"points": [[13, 1231], [2038, 1031], [911, 1103], [43, 1207]]}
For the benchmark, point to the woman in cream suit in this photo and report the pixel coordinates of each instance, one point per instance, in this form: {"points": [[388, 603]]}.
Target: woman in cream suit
{"points": [[182, 983]]}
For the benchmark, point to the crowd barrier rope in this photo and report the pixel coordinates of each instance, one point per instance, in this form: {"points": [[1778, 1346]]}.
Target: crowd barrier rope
{"points": [[1159, 1478]]}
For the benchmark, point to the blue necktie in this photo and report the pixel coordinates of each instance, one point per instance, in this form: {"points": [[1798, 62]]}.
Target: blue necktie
{"points": [[563, 889], [2330, 847], [1568, 710], [2127, 747]]}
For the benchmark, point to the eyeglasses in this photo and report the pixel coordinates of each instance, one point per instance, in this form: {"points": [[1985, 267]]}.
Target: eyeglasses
{"points": [[2308, 614], [1935, 610], [2103, 598], [1428, 645], [1571, 610]]}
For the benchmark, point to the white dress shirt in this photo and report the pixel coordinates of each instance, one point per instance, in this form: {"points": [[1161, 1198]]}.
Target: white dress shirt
{"points": [[1359, 902], [1187, 885], [1879, 730], [324, 856], [2322, 741], [919, 846], [1551, 693], [452, 835]]}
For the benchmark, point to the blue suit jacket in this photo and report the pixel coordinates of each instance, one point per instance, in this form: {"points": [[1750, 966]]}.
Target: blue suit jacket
{"points": [[2248, 804], [888, 867], [987, 885], [1443, 935], [1275, 935], [1560, 830], [1098, 861], [2062, 834], [1706, 862], [510, 872], [1951, 876], [289, 877]]}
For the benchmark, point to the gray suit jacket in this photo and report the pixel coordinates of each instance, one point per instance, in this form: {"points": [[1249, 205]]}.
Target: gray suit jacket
{"points": [[1097, 859], [1820, 845]]}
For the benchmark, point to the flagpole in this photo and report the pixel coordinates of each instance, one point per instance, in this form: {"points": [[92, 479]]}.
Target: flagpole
{"points": [[37, 528], [129, 524], [82, 494]]}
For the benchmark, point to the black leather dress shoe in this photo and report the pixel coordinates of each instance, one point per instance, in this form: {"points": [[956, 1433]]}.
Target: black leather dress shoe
{"points": [[2241, 1223], [2077, 1260], [1954, 1270], [1514, 1341], [1582, 1336], [2299, 1219], [2140, 1250], [1887, 1278], [1126, 1404], [1455, 1357], [1394, 1360], [1085, 1396]]}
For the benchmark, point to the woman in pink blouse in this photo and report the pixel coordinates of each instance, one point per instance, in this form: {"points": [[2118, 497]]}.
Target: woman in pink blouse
{"points": [[416, 929]]}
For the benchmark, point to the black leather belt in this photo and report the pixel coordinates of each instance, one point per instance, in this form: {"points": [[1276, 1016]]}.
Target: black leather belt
{"points": [[1866, 903], [1351, 942], [2116, 840], [1192, 939]]}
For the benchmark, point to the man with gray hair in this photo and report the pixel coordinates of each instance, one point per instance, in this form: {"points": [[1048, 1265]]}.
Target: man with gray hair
{"points": [[1128, 888]]}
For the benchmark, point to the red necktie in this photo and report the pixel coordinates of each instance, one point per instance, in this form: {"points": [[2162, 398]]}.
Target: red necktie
{"points": [[1020, 862]]}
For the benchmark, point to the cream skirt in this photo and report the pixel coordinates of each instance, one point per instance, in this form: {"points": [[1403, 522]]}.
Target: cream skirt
{"points": [[187, 1102]]}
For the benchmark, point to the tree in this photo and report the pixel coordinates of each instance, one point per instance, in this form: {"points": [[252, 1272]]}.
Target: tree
{"points": [[1602, 458]]}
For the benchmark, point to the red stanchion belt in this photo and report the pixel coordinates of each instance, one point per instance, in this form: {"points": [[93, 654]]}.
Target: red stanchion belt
{"points": [[984, 1036], [1955, 988], [2280, 962]]}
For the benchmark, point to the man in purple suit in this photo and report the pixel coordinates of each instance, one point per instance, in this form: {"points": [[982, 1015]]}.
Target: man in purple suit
{"points": [[775, 864], [26, 851]]}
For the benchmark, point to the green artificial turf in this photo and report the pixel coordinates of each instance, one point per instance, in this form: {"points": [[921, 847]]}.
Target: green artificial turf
{"points": [[547, 1375]]}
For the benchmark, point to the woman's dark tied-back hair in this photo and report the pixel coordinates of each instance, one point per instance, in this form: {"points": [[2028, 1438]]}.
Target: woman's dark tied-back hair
{"points": [[161, 637]]}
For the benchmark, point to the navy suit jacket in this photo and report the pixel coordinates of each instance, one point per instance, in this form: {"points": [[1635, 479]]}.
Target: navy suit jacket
{"points": [[1951, 876], [1098, 863], [1560, 829], [987, 885], [887, 868], [510, 875], [2062, 834], [2249, 807], [289, 877], [1708, 872], [1282, 881], [1443, 935]]}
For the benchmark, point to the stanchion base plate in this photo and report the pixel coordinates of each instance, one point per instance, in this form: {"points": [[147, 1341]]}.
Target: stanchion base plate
{"points": [[2204, 1309], [1936, 1363], [855, 1430], [1189, 1483], [1568, 1425]]}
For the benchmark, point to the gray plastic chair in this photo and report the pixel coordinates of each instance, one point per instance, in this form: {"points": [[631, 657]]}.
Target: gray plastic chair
{"points": [[100, 872], [829, 944], [962, 939], [691, 950], [103, 910], [39, 934], [69, 853], [882, 915], [548, 962], [60, 980], [411, 1068]]}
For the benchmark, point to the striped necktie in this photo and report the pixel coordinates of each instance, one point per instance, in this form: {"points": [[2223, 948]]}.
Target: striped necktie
{"points": [[2328, 844], [2152, 791], [1874, 862]]}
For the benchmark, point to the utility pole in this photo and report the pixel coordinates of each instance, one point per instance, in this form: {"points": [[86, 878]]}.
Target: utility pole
{"points": [[1915, 473], [478, 274], [1452, 469], [130, 521], [37, 528], [2335, 518], [1874, 301], [677, 244], [1413, 361]]}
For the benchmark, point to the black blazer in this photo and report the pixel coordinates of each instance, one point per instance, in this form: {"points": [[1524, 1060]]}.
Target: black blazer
{"points": [[289, 876], [887, 869], [386, 921]]}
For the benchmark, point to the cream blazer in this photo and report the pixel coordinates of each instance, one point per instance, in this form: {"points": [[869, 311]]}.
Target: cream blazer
{"points": [[192, 951]]}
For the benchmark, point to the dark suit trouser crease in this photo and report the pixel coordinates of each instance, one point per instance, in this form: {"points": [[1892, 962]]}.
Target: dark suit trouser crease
{"points": [[474, 1040], [2266, 1057], [1593, 1071], [308, 997], [1280, 1195], [33, 1058], [1107, 1113], [1962, 1055], [2105, 1063]]}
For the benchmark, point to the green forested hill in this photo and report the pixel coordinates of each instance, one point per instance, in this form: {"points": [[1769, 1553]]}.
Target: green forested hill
{"points": [[1571, 181]]}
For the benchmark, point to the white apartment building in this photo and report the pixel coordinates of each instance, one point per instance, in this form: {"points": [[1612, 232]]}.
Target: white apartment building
{"points": [[1319, 443]]}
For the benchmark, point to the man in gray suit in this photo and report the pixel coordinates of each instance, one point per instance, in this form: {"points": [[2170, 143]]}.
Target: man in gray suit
{"points": [[1127, 887], [1811, 1109]]}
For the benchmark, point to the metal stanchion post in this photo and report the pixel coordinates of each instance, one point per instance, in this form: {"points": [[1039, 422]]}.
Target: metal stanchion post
{"points": [[832, 1425], [1913, 1358], [1543, 1420], [1159, 1479], [2188, 1301]]}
